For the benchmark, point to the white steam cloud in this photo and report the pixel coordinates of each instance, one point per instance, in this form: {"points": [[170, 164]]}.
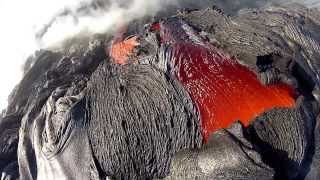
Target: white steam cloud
{"points": [[22, 20], [19, 22], [106, 17], [32, 24]]}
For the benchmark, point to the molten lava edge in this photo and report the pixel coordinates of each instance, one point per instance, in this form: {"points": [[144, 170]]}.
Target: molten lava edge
{"points": [[120, 51], [223, 90]]}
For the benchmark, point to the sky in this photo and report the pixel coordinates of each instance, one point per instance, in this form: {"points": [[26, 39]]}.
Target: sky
{"points": [[19, 20]]}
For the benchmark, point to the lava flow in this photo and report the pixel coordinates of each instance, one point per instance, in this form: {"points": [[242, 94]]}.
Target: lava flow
{"points": [[122, 49], [223, 90]]}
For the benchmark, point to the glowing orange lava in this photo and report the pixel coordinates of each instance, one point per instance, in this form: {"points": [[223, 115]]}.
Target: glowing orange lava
{"points": [[120, 51], [223, 90]]}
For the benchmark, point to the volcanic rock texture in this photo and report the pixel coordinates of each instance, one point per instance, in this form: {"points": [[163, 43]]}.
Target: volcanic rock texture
{"points": [[79, 115]]}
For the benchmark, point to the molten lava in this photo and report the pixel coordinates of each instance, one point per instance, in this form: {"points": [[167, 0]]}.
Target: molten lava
{"points": [[121, 51], [223, 90]]}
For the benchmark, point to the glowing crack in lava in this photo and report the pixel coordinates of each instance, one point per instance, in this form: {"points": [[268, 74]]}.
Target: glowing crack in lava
{"points": [[223, 90]]}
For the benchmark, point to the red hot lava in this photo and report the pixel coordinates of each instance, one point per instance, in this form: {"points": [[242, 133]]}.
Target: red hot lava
{"points": [[223, 90], [122, 49]]}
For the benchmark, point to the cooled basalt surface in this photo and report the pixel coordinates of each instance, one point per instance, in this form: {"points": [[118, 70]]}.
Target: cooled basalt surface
{"points": [[170, 109]]}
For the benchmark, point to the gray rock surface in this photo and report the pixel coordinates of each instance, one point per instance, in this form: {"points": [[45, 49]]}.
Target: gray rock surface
{"points": [[75, 115]]}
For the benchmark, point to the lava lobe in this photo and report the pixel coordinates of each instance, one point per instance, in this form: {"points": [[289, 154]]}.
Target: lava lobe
{"points": [[223, 90]]}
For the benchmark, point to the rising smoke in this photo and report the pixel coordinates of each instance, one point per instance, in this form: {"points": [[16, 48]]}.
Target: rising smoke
{"points": [[29, 25], [97, 17]]}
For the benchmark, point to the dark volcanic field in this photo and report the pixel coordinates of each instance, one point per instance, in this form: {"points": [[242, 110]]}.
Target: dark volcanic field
{"points": [[77, 115]]}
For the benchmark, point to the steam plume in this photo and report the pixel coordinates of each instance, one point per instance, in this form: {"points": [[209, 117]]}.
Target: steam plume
{"points": [[29, 25]]}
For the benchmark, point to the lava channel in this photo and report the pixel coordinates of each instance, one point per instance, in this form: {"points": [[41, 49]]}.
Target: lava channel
{"points": [[223, 90]]}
